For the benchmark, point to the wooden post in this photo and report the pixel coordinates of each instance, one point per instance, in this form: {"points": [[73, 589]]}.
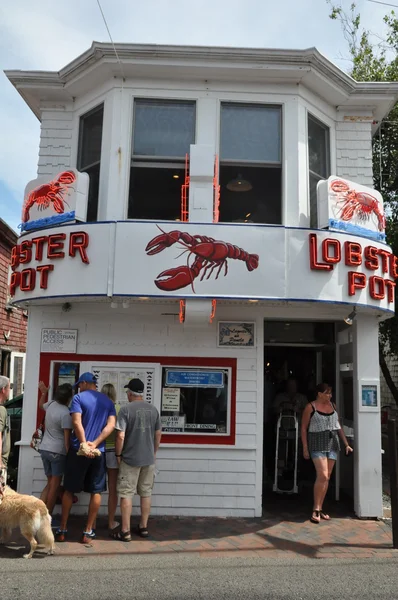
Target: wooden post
{"points": [[393, 467]]}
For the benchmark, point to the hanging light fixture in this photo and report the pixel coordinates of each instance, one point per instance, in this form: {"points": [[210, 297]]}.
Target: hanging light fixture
{"points": [[239, 184], [350, 319]]}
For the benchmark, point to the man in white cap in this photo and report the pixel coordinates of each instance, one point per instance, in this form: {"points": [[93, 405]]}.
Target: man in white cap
{"points": [[138, 434]]}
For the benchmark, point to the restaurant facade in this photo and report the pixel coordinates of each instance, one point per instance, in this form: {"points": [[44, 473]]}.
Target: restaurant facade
{"points": [[204, 219]]}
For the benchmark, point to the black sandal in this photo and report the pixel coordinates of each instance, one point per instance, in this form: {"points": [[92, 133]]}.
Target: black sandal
{"points": [[317, 518], [121, 536], [142, 532]]}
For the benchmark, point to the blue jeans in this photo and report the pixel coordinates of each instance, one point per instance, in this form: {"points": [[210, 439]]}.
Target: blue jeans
{"points": [[53, 463], [332, 455]]}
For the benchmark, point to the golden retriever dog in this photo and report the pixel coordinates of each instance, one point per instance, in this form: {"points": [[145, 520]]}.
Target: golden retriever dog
{"points": [[29, 514]]}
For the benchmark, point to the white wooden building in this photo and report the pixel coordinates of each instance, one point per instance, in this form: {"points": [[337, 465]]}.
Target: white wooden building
{"points": [[264, 282]]}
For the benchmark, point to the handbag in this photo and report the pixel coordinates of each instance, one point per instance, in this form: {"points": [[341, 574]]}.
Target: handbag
{"points": [[37, 437]]}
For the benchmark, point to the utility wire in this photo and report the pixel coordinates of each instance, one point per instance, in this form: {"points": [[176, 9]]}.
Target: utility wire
{"points": [[383, 3], [110, 37]]}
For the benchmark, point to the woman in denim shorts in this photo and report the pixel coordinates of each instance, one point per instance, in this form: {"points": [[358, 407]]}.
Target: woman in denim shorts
{"points": [[55, 442], [320, 433]]}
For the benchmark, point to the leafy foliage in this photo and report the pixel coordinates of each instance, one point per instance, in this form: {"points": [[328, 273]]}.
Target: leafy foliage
{"points": [[378, 61]]}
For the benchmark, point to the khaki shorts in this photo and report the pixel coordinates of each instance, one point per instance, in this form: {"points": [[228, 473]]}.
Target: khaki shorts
{"points": [[133, 480]]}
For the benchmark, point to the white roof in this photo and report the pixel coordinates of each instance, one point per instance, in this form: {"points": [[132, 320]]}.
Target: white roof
{"points": [[189, 63]]}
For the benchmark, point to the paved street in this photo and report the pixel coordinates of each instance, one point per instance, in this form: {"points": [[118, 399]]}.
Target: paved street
{"points": [[281, 555], [186, 577]]}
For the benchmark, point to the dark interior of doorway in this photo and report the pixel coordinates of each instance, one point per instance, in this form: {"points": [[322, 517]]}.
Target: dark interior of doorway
{"points": [[300, 363]]}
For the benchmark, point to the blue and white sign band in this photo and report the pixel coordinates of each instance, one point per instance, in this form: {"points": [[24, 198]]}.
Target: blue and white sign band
{"points": [[211, 379], [357, 230], [48, 221]]}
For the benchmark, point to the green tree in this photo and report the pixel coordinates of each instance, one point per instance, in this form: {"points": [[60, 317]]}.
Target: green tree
{"points": [[375, 59]]}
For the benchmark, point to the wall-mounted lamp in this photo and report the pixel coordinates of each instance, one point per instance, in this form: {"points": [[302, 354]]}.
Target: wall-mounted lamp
{"points": [[114, 304], [350, 319], [239, 184], [126, 304], [66, 307]]}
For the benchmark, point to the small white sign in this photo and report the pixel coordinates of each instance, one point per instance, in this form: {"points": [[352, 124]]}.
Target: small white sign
{"points": [[173, 423], [51, 200], [171, 400], [59, 340], [347, 206]]}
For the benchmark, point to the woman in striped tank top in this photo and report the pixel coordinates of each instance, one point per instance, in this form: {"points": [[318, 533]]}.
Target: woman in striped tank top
{"points": [[320, 433]]}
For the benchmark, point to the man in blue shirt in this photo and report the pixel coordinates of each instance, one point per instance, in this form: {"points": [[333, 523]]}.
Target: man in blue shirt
{"points": [[93, 420]]}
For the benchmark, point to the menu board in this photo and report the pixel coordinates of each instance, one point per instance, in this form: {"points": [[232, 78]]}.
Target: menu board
{"points": [[120, 376]]}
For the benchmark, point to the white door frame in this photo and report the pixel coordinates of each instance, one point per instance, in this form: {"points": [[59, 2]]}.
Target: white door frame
{"points": [[343, 337]]}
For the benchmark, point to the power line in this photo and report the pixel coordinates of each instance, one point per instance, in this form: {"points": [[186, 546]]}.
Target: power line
{"points": [[110, 37], [383, 3]]}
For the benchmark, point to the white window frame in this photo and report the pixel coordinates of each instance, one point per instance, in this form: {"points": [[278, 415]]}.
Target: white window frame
{"points": [[15, 355], [321, 123], [145, 161], [199, 432], [263, 99]]}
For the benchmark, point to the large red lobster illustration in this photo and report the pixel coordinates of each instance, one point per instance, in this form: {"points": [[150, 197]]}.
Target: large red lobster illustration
{"points": [[359, 204], [210, 254], [52, 192]]}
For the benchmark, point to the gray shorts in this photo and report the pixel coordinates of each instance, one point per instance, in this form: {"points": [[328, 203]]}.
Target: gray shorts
{"points": [[111, 461]]}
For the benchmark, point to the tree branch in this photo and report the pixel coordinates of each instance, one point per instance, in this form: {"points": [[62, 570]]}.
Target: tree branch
{"points": [[387, 375]]}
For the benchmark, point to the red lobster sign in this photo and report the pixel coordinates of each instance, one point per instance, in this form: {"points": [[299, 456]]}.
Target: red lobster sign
{"points": [[210, 254], [49, 193], [357, 204]]}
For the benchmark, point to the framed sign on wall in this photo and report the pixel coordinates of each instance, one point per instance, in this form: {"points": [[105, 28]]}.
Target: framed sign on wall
{"points": [[369, 396], [235, 333]]}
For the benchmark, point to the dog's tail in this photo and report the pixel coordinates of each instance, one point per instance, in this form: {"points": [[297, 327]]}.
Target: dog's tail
{"points": [[45, 535]]}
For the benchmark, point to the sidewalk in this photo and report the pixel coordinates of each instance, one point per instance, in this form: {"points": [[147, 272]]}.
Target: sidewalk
{"points": [[285, 536]]}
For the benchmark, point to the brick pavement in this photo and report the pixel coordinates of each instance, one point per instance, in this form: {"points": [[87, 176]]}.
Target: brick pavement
{"points": [[285, 535]]}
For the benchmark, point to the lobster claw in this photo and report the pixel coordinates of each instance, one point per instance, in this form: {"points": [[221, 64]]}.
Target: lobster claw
{"points": [[162, 241], [67, 177], [174, 279]]}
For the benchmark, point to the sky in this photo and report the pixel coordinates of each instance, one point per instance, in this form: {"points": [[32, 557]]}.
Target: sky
{"points": [[48, 34]]}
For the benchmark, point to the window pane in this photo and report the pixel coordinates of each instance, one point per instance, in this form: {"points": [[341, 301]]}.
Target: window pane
{"points": [[260, 204], [313, 200], [17, 376], [163, 128], [318, 147], [93, 191], [195, 408], [250, 133], [65, 373], [90, 138], [155, 193], [89, 156]]}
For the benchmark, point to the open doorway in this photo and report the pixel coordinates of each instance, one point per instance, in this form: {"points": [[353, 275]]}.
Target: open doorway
{"points": [[297, 356]]}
